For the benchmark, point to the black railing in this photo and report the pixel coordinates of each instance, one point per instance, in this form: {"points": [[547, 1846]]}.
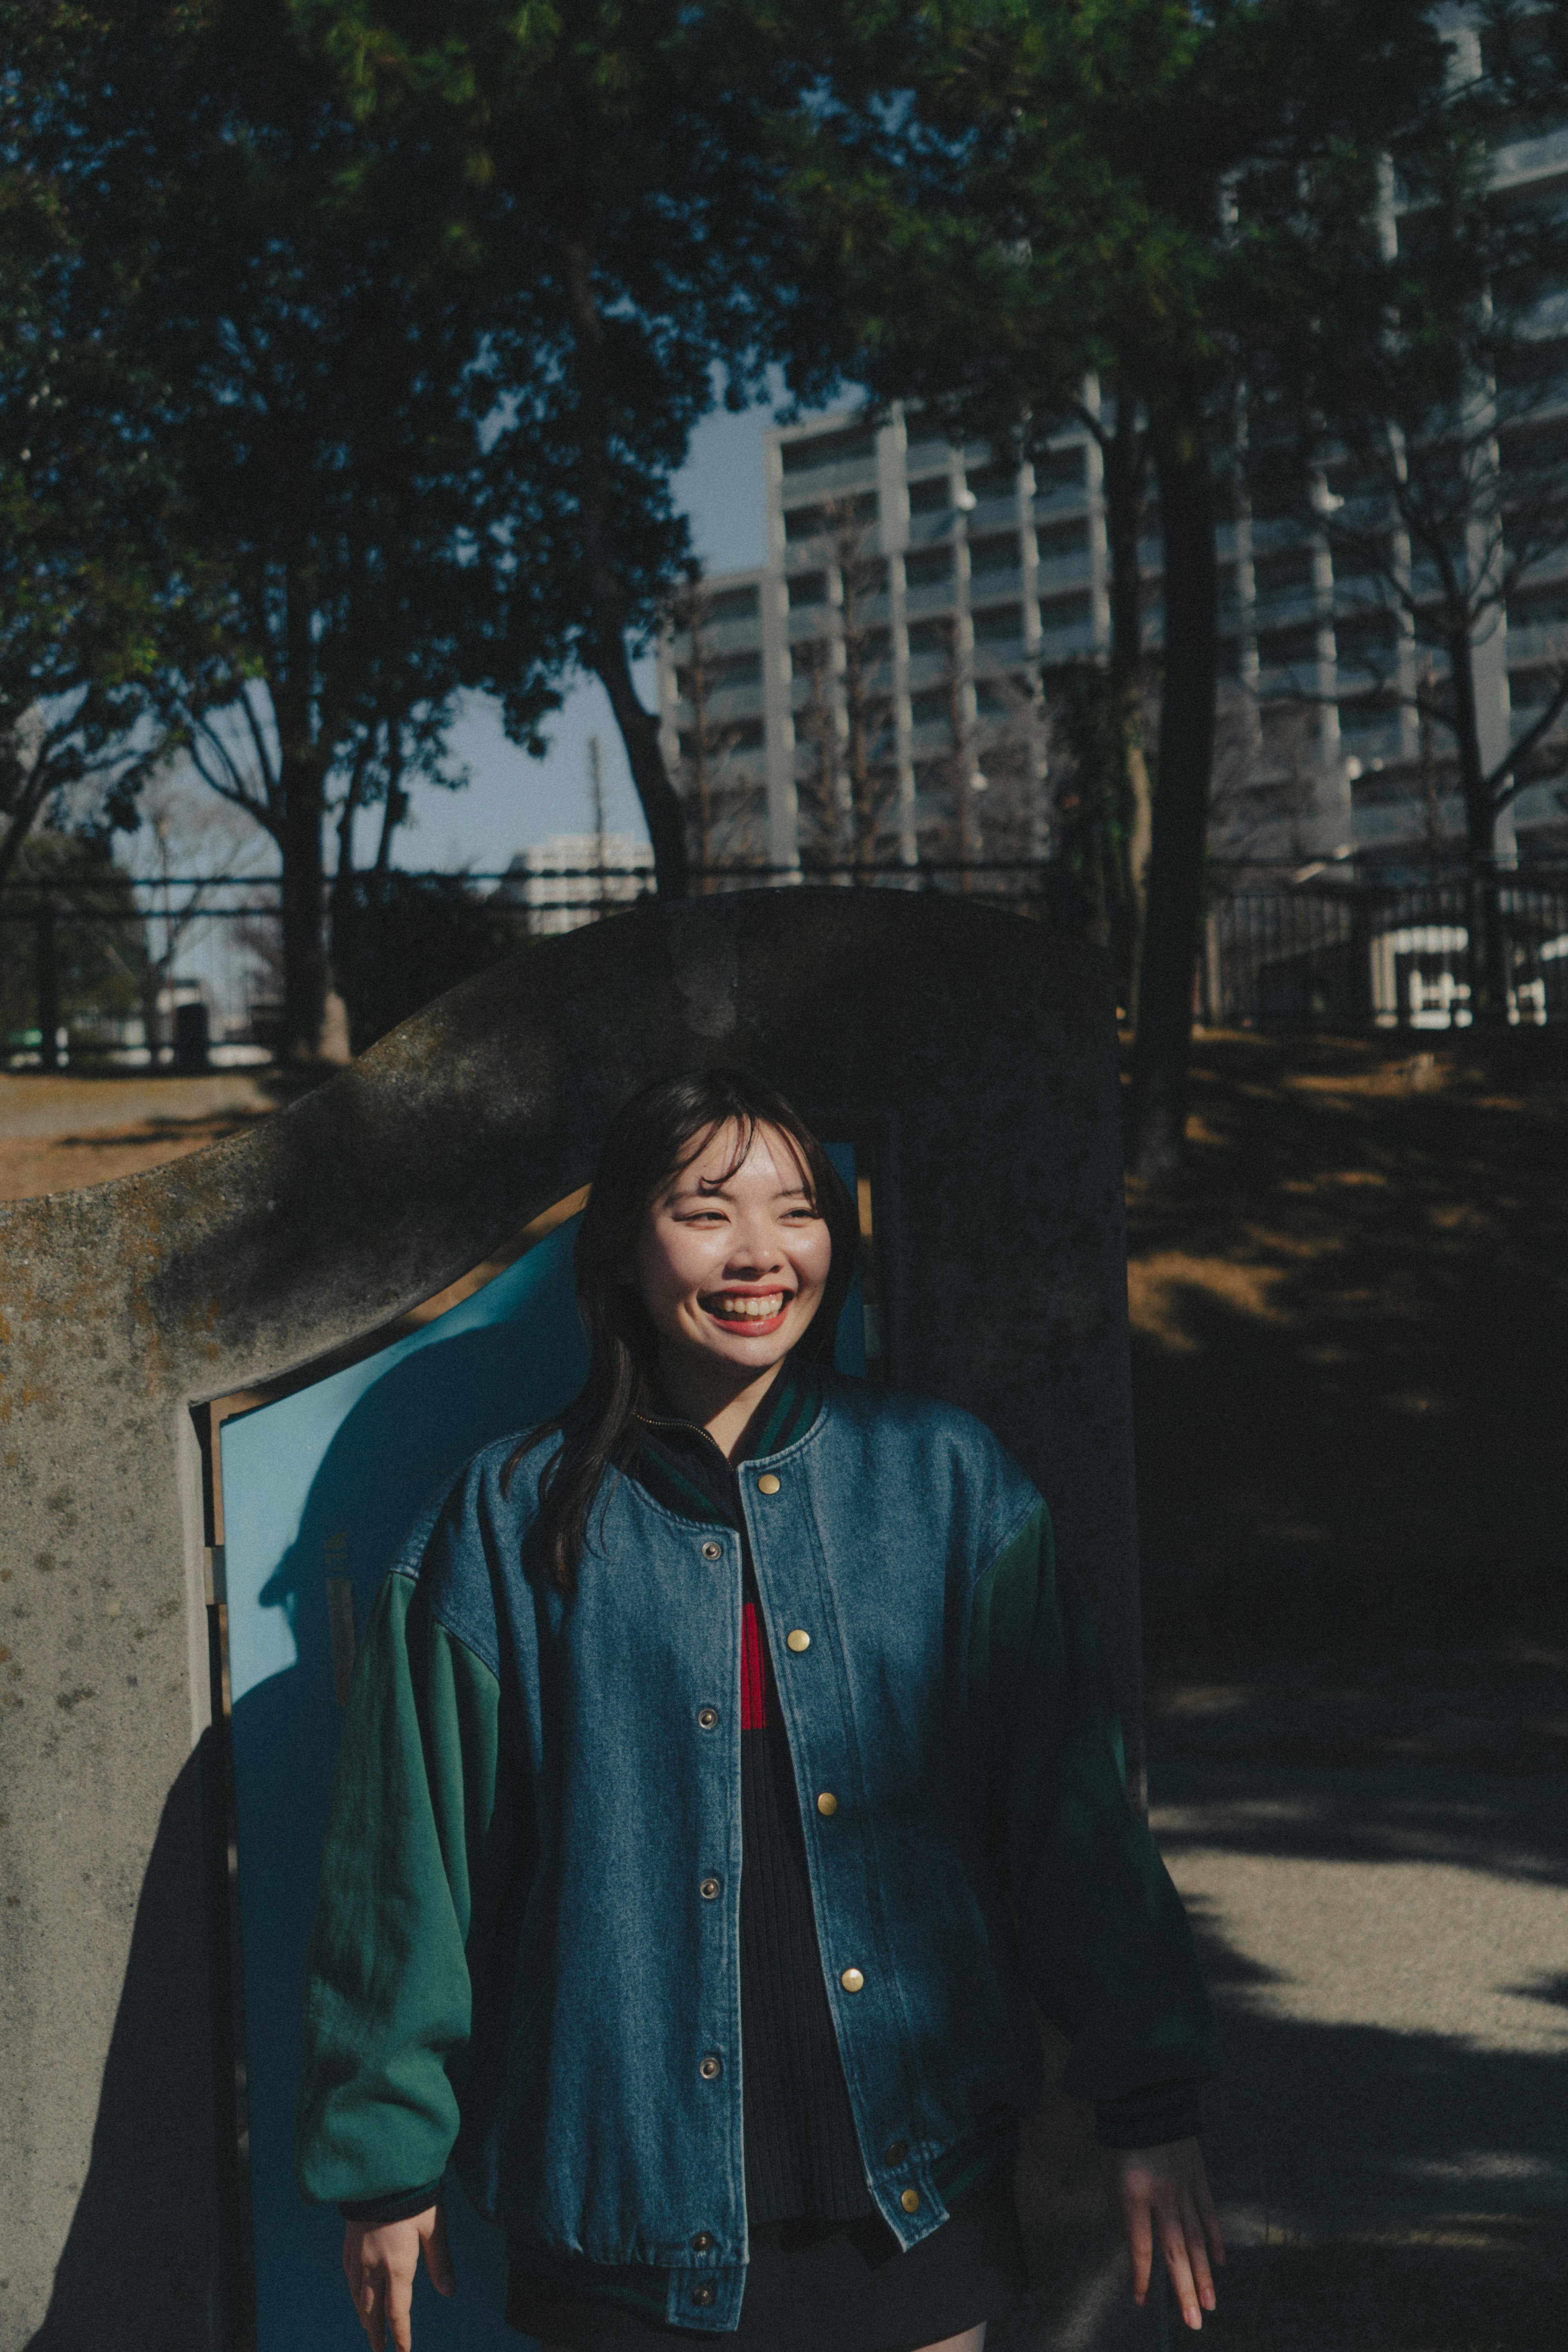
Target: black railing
{"points": [[1365, 956], [1328, 951]]}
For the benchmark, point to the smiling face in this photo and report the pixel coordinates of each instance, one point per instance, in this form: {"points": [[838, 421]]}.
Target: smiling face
{"points": [[731, 1261]]}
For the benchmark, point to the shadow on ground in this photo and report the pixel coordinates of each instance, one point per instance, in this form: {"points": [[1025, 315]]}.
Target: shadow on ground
{"points": [[1395, 2186], [1347, 1339]]}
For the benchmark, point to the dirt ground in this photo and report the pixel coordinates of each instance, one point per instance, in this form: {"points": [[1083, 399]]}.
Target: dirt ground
{"points": [[1348, 1323], [59, 1134]]}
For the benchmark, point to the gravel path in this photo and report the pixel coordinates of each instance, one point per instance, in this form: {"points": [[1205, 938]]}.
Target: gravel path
{"points": [[1389, 2142]]}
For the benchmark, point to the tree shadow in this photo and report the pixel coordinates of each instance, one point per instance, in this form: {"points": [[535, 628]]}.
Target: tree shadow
{"points": [[1384, 2189], [1347, 1342]]}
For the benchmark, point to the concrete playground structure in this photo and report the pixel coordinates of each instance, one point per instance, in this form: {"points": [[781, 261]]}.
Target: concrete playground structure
{"points": [[964, 1059]]}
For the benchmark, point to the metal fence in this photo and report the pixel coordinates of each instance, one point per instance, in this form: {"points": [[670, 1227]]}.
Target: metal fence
{"points": [[1362, 955], [187, 971]]}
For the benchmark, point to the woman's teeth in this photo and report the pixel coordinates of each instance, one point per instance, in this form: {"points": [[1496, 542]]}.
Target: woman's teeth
{"points": [[754, 1310]]}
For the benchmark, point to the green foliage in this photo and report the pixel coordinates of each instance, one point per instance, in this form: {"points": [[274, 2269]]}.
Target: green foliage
{"points": [[611, 175], [100, 959], [409, 937], [87, 586]]}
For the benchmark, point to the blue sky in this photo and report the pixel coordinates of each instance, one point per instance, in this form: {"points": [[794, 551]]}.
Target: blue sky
{"points": [[511, 799]]}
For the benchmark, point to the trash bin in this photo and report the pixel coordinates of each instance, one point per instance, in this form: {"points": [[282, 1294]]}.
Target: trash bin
{"points": [[191, 1036]]}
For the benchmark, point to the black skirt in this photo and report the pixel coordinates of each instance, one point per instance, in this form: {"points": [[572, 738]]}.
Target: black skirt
{"points": [[824, 2286]]}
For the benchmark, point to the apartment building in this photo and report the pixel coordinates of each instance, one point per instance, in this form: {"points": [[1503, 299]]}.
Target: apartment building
{"points": [[913, 592]]}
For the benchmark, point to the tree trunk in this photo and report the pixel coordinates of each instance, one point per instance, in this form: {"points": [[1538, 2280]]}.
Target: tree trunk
{"points": [[1485, 955], [344, 917], [661, 802], [1124, 485], [304, 947], [1180, 816]]}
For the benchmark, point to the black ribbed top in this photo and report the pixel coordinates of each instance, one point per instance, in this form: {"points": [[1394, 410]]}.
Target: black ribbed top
{"points": [[802, 2153]]}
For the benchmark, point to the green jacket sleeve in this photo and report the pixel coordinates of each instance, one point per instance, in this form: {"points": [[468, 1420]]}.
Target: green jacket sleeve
{"points": [[389, 2004], [1104, 1942]]}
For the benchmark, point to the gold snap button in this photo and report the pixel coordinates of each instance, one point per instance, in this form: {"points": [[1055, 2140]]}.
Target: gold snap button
{"points": [[708, 1890], [705, 2294], [702, 2242], [852, 1981], [896, 2153], [707, 1716], [767, 1484], [909, 2200], [713, 1551], [827, 1803], [711, 2068], [796, 1640]]}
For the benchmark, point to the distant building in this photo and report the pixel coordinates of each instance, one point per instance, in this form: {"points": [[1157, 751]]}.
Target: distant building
{"points": [[877, 679], [574, 877]]}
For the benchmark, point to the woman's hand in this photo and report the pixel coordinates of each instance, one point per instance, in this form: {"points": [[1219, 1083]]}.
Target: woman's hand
{"points": [[1166, 2189], [380, 2264]]}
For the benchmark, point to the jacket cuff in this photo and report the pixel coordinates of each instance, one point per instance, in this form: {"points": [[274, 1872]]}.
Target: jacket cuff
{"points": [[1150, 2118], [397, 2205]]}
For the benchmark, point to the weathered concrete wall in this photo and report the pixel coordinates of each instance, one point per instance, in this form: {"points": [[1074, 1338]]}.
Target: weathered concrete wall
{"points": [[988, 1052]]}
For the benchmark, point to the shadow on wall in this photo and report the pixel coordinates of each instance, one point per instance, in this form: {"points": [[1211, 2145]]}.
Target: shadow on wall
{"points": [[125, 2268], [398, 1444], [130, 2271]]}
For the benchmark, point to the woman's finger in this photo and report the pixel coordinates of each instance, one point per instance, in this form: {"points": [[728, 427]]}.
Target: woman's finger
{"points": [[372, 2311], [1173, 2245], [1137, 2227], [400, 2309], [438, 2254], [1210, 2219], [1196, 2252]]}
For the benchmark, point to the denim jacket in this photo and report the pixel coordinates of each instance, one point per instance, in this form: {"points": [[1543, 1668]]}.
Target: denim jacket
{"points": [[514, 1962]]}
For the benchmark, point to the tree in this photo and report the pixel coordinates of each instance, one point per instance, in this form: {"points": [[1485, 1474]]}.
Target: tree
{"points": [[1424, 439], [848, 722], [1029, 197], [303, 359], [719, 793], [82, 607], [615, 171]]}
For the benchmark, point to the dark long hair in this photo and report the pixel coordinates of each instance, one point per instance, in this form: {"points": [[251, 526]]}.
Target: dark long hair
{"points": [[650, 1139]]}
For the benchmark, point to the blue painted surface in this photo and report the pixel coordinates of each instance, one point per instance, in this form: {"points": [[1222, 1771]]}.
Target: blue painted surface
{"points": [[324, 1484]]}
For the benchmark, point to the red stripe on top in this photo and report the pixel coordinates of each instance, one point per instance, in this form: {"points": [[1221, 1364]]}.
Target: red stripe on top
{"points": [[759, 1700]]}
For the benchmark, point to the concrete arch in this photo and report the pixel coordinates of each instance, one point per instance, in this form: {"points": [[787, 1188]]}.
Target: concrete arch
{"points": [[981, 1050]]}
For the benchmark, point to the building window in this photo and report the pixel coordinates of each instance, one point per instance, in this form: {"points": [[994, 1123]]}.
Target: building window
{"points": [[1371, 640], [1065, 612], [820, 522], [925, 569], [1055, 542], [992, 482], [997, 554], [728, 670], [1056, 470], [1281, 648], [815, 450], [808, 588], [933, 703], [932, 497], [1278, 578], [931, 637], [745, 735], [733, 604], [997, 622]]}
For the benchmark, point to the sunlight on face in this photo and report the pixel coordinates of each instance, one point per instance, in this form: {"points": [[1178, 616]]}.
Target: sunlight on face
{"points": [[731, 1262]]}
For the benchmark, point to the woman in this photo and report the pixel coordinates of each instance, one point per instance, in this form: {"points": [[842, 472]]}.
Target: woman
{"points": [[726, 1769]]}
